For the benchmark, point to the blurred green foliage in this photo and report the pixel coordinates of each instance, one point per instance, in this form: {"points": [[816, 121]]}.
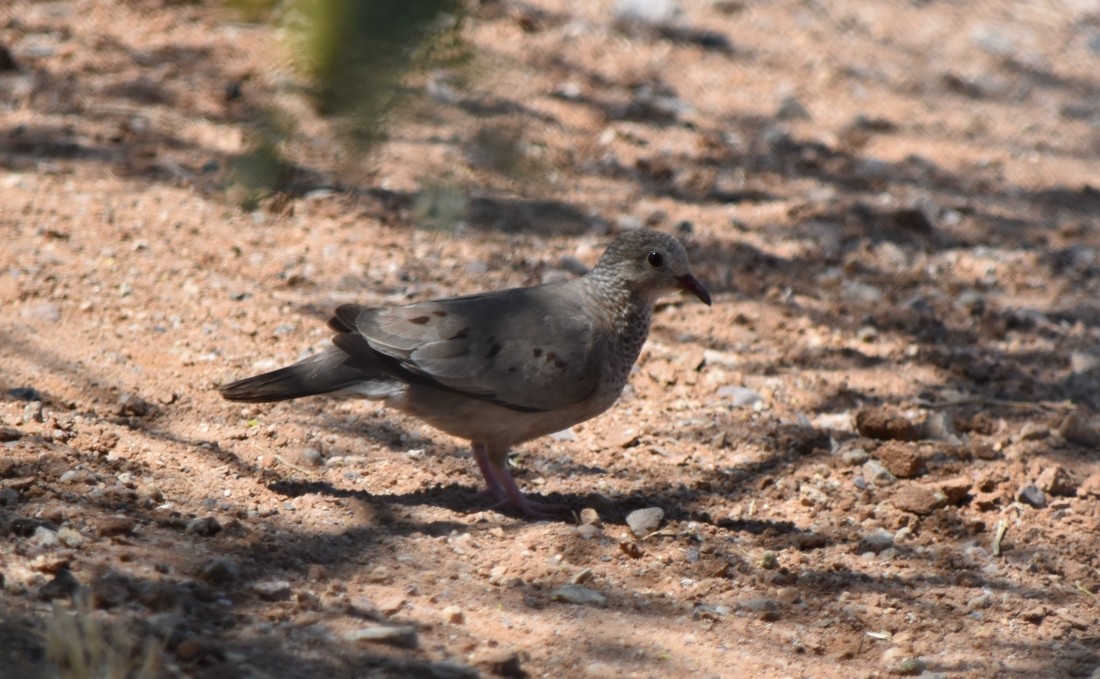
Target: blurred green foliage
{"points": [[356, 55]]}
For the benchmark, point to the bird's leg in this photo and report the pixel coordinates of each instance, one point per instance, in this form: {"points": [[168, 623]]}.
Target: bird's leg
{"points": [[493, 488], [515, 499]]}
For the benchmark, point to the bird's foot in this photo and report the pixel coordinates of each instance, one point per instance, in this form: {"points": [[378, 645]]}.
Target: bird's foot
{"points": [[535, 510]]}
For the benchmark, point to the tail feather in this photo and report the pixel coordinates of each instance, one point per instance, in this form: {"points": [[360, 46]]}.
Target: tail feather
{"points": [[326, 373]]}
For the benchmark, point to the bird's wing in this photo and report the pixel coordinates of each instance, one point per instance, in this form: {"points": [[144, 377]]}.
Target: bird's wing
{"points": [[530, 349]]}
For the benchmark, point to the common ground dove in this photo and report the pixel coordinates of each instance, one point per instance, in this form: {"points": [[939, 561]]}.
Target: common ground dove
{"points": [[497, 368]]}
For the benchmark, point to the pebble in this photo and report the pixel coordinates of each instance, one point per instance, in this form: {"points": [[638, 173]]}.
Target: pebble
{"points": [[1032, 496], [272, 590], [9, 497], [876, 542], [501, 662], [876, 474], [854, 456], [588, 531], [647, 12], [1076, 429], [709, 612], [1081, 362], [1057, 481], [220, 570], [810, 496], [115, 525], [70, 537], [312, 456], [740, 397], [204, 526], [44, 311], [581, 577], [454, 615], [920, 500], [590, 517], [788, 595], [792, 109], [44, 537], [575, 594], [642, 522], [61, 586], [131, 405], [32, 412], [402, 636]]}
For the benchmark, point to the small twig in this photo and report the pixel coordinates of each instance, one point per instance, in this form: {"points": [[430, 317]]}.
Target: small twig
{"points": [[982, 401], [293, 466], [1002, 528], [1084, 590]]}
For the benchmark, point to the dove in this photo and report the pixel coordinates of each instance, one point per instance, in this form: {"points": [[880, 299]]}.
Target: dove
{"points": [[497, 368]]}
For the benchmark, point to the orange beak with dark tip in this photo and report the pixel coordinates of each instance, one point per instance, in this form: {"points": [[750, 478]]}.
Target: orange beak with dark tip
{"points": [[689, 283]]}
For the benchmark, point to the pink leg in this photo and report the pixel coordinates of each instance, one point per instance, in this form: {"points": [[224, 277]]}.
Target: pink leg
{"points": [[493, 488], [515, 499]]}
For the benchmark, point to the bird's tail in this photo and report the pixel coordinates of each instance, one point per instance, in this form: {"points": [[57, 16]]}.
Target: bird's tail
{"points": [[329, 372]]}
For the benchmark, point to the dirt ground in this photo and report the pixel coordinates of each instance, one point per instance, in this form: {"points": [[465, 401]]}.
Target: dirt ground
{"points": [[876, 454]]}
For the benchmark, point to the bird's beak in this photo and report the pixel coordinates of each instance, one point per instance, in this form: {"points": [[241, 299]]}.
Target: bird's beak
{"points": [[689, 283]]}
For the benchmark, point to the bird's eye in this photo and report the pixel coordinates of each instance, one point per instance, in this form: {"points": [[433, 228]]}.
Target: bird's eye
{"points": [[656, 260]]}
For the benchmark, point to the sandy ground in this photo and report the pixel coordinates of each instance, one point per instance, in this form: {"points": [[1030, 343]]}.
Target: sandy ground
{"points": [[875, 455]]}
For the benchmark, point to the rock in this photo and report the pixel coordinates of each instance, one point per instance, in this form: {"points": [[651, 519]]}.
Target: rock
{"points": [[810, 496], [70, 537], [46, 538], [937, 426], [1057, 481], [917, 499], [445, 669], [115, 525], [1034, 431], [312, 457], [884, 424], [110, 590], [1031, 495], [908, 666], [1090, 487], [402, 636], [956, 490], [721, 359], [32, 412], [903, 461], [9, 497], [1076, 429], [62, 586], [766, 608], [195, 649], [653, 13], [792, 109], [501, 662], [590, 517], [709, 612], [588, 531], [131, 405], [9, 434], [220, 570], [854, 456], [43, 311], [877, 541], [642, 522], [876, 474], [582, 576], [454, 615], [272, 590], [769, 560], [1081, 362], [205, 526], [575, 594], [739, 397]]}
